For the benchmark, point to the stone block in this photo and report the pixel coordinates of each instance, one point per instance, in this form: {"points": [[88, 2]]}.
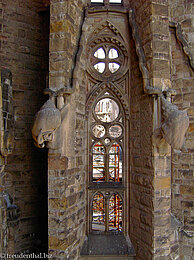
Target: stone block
{"points": [[162, 67], [56, 203], [59, 44], [58, 8], [160, 46], [160, 26], [187, 190], [57, 244], [58, 26], [57, 163], [162, 183], [159, 9]]}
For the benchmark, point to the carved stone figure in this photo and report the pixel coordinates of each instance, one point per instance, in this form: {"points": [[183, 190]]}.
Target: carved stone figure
{"points": [[175, 124], [6, 113], [47, 121]]}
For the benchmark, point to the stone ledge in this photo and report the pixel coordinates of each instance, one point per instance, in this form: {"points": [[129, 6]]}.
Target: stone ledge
{"points": [[107, 246]]}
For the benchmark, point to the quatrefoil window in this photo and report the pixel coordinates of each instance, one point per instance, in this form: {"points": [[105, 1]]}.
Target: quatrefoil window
{"points": [[106, 60]]}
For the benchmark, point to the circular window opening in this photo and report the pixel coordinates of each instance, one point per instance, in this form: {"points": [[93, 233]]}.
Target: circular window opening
{"points": [[106, 110], [107, 141], [115, 131], [98, 131]]}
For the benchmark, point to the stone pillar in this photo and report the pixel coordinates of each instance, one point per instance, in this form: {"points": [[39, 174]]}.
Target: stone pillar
{"points": [[151, 175], [66, 172], [160, 75]]}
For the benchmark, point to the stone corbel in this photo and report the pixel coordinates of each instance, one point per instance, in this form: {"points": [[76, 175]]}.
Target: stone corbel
{"points": [[170, 123], [48, 120]]}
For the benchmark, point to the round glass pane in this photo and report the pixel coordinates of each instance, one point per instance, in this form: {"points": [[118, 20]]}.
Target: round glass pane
{"points": [[107, 141], [113, 54], [100, 67], [100, 53], [115, 131], [98, 131], [106, 110], [113, 67]]}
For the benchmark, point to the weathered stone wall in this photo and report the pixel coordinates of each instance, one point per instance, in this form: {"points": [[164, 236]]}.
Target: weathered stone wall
{"points": [[23, 40], [141, 168], [66, 169], [182, 162], [161, 155], [152, 20], [24, 50]]}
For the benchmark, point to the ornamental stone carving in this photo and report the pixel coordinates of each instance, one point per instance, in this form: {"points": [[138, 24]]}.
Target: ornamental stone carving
{"points": [[47, 121], [175, 124]]}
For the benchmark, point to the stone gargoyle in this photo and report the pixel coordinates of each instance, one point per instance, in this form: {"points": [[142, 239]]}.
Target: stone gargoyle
{"points": [[47, 121], [47, 127], [174, 125]]}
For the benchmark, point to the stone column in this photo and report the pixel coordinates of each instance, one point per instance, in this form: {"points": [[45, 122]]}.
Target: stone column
{"points": [[66, 173], [160, 75]]}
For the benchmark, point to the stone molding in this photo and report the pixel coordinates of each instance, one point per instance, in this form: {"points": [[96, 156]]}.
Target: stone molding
{"points": [[98, 90], [180, 37]]}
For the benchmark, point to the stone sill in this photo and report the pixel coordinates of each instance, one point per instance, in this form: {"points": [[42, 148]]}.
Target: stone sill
{"points": [[107, 246], [118, 8], [106, 185]]}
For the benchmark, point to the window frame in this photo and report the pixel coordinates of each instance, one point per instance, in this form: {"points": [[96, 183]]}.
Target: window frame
{"points": [[107, 194], [107, 126], [107, 186]]}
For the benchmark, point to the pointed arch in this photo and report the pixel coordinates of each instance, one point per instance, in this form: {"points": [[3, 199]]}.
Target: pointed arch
{"points": [[100, 88], [98, 212], [107, 112], [106, 27], [115, 212]]}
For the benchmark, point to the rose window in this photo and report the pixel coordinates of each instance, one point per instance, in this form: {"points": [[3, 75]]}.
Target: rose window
{"points": [[106, 60]]}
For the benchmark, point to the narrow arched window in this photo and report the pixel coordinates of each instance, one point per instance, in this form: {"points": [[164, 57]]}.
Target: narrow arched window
{"points": [[115, 213], [98, 212], [106, 162], [107, 128], [106, 137]]}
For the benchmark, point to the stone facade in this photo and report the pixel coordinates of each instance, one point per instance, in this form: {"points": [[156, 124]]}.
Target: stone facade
{"points": [[66, 167], [159, 200], [182, 163], [24, 51]]}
